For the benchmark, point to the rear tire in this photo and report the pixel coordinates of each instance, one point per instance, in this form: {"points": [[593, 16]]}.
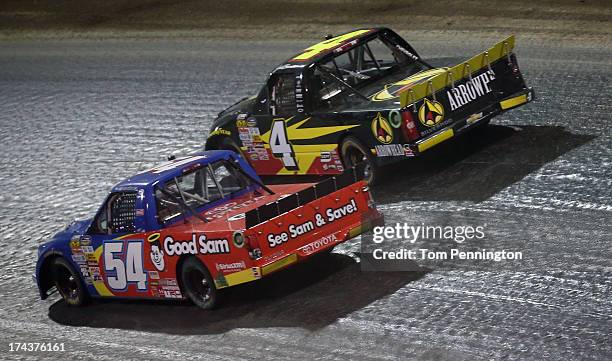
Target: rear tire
{"points": [[198, 284], [354, 154], [68, 283]]}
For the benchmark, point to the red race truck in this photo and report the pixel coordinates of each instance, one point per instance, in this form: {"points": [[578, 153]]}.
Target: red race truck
{"points": [[196, 225]]}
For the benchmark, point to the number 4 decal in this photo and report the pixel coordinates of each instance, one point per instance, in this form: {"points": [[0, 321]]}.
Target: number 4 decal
{"points": [[281, 148], [121, 270]]}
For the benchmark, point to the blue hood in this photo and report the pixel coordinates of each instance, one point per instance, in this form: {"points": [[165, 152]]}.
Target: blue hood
{"points": [[77, 227]]}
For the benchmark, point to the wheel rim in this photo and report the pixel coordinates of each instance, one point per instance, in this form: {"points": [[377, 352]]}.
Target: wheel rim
{"points": [[67, 284], [199, 285], [356, 157]]}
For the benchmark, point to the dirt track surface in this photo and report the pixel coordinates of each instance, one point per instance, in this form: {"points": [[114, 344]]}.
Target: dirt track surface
{"points": [[79, 115], [560, 20]]}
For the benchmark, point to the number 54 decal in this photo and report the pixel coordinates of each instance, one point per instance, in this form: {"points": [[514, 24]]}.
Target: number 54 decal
{"points": [[122, 268], [281, 148]]}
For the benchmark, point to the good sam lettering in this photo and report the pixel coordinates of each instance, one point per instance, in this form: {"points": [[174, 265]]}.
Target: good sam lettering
{"points": [[320, 220]]}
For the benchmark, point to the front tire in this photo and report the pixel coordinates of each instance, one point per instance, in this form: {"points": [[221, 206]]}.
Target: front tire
{"points": [[68, 283], [354, 155], [198, 284]]}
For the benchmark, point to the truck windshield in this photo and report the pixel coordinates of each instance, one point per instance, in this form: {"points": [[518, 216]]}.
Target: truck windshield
{"points": [[363, 64], [196, 188]]}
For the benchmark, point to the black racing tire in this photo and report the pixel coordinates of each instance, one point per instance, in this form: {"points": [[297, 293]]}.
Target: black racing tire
{"points": [[68, 283], [198, 284], [355, 154]]}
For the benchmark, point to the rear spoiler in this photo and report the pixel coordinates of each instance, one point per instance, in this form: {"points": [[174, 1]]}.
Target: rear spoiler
{"points": [[457, 73], [270, 210]]}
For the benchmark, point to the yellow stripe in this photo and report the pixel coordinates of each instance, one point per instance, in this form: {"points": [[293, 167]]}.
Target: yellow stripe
{"points": [[239, 277], [274, 266], [99, 285], [459, 71], [512, 102], [305, 155], [327, 45], [438, 138], [363, 227]]}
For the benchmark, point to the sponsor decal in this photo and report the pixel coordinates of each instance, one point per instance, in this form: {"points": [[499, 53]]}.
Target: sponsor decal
{"points": [[156, 253], [220, 131], [75, 244], [473, 89], [382, 129], [241, 116], [250, 137], [318, 244], [154, 275], [91, 258], [141, 195], [244, 135], [237, 217], [170, 292], [431, 113], [328, 45], [87, 249], [290, 66], [85, 271], [326, 157], [230, 267], [319, 220], [406, 52], [165, 282], [395, 118], [346, 46], [238, 239], [167, 288], [78, 258], [299, 97], [390, 150], [86, 241], [197, 245], [408, 151], [94, 272]]}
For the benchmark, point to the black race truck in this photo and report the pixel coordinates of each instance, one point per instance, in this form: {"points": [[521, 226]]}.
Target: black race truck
{"points": [[365, 97]]}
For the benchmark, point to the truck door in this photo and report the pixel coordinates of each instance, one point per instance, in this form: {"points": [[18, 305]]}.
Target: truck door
{"points": [[265, 134], [114, 261]]}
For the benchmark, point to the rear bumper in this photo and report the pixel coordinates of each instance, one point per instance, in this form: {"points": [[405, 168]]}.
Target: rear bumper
{"points": [[461, 126], [368, 222]]}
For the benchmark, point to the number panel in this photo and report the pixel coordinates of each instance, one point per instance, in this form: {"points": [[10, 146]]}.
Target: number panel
{"points": [[280, 145], [124, 265]]}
